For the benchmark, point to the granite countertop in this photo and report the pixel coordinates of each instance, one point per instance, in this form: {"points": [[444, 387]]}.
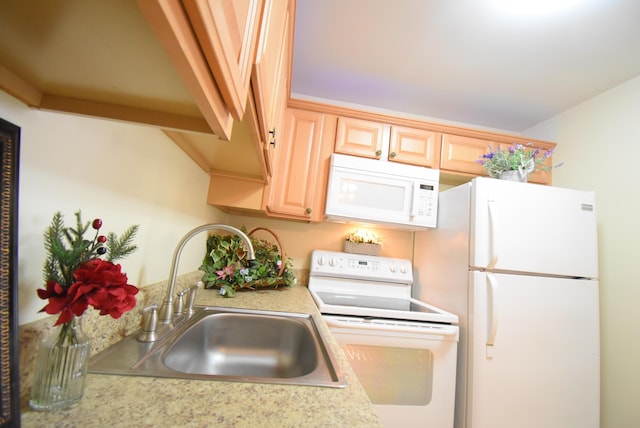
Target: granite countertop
{"points": [[124, 401]]}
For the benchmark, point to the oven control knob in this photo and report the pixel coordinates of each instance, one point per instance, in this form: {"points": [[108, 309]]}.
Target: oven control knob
{"points": [[393, 268], [321, 261], [333, 261], [403, 269]]}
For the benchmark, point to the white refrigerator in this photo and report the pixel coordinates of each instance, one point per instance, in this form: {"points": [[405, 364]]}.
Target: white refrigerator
{"points": [[518, 264]]}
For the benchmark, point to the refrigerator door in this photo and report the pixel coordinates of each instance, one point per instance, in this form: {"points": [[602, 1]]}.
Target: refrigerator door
{"points": [[532, 228], [533, 353]]}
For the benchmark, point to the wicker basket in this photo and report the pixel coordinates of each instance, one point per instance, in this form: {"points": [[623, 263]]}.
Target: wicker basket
{"points": [[283, 256], [362, 248], [283, 275]]}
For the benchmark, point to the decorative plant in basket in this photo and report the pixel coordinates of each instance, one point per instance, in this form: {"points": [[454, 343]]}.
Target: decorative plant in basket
{"points": [[225, 264]]}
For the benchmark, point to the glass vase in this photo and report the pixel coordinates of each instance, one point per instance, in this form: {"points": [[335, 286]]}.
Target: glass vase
{"points": [[61, 368]]}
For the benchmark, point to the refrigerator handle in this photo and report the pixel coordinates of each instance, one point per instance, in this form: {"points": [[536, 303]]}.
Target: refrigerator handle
{"points": [[492, 313], [493, 235]]}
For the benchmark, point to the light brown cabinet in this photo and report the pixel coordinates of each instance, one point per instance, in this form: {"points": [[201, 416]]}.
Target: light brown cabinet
{"points": [[358, 137], [234, 56], [377, 140], [455, 150], [270, 75], [460, 154], [414, 146], [212, 45], [227, 32], [297, 189]]}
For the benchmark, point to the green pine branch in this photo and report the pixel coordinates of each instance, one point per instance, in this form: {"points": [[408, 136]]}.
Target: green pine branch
{"points": [[67, 248], [118, 248]]}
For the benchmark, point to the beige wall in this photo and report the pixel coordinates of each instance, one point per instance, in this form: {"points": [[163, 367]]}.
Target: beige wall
{"points": [[122, 173], [599, 142], [299, 238]]}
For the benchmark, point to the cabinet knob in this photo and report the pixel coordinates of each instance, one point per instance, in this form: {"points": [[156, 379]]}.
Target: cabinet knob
{"points": [[392, 154], [308, 211], [273, 137], [378, 152]]}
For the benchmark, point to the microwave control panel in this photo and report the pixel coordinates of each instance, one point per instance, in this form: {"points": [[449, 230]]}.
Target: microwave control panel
{"points": [[426, 201]]}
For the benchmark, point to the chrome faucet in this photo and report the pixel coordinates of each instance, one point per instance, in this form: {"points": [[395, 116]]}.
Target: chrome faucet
{"points": [[165, 315]]}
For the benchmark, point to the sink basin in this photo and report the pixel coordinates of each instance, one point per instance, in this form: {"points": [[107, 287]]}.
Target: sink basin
{"points": [[230, 344], [245, 345]]}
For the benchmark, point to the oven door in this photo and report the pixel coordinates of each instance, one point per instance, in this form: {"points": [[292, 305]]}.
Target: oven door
{"points": [[408, 369]]}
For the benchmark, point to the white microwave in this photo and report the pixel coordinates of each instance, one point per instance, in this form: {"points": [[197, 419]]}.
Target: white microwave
{"points": [[381, 192]]}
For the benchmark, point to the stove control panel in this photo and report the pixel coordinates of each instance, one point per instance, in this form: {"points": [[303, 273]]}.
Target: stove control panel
{"points": [[359, 266]]}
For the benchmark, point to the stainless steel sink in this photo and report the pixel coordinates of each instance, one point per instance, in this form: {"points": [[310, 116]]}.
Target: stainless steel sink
{"points": [[230, 345], [245, 345]]}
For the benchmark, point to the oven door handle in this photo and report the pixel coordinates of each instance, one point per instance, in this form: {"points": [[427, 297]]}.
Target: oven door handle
{"points": [[365, 324]]}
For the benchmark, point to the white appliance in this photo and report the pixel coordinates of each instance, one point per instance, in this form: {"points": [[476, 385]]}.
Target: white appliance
{"points": [[404, 351], [519, 264], [381, 192]]}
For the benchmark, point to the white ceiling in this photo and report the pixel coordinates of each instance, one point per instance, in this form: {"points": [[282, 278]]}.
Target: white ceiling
{"points": [[466, 61]]}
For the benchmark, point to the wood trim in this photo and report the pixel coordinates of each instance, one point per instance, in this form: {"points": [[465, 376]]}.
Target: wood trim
{"points": [[413, 123], [236, 176], [32, 97], [124, 113], [179, 140], [235, 192], [18, 88], [291, 32]]}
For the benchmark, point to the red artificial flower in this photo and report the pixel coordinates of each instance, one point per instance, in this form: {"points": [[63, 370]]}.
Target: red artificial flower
{"points": [[103, 286], [97, 283], [59, 302]]}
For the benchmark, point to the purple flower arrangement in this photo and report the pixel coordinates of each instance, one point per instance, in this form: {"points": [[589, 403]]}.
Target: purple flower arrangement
{"points": [[517, 157]]}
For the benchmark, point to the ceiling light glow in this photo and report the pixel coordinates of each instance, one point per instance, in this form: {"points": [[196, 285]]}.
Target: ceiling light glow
{"points": [[535, 7]]}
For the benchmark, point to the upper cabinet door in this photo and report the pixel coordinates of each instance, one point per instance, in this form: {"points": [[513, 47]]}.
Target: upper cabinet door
{"points": [[298, 187], [227, 31], [174, 30], [271, 69], [461, 154], [415, 146], [363, 138]]}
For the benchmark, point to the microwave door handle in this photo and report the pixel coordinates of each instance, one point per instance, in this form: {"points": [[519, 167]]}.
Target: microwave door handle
{"points": [[414, 200]]}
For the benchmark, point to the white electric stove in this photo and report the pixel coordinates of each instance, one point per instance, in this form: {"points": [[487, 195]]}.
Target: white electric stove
{"points": [[403, 350]]}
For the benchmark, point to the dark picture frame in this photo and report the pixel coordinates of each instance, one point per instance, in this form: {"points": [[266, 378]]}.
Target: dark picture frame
{"points": [[9, 373]]}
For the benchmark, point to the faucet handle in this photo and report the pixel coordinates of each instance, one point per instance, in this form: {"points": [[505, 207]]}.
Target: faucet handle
{"points": [[191, 298], [178, 308], [149, 324]]}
